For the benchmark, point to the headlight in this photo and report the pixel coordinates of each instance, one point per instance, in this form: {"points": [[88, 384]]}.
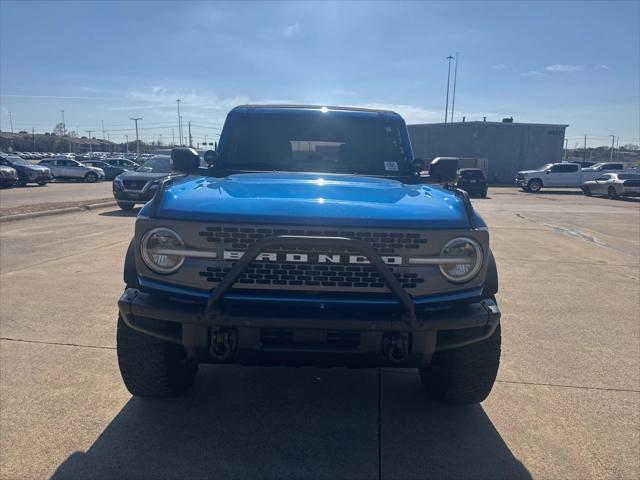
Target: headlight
{"points": [[466, 259], [157, 249]]}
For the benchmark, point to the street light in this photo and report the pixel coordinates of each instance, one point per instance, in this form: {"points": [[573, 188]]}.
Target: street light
{"points": [[446, 108], [137, 142], [179, 122]]}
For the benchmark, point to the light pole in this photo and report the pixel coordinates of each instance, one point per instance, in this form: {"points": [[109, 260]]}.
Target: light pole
{"points": [[179, 122], [137, 142], [446, 108], [11, 121], [613, 139], [90, 141], [127, 144], [455, 80], [64, 125]]}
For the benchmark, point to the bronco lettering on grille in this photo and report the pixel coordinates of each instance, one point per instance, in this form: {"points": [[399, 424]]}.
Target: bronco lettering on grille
{"points": [[311, 258]]}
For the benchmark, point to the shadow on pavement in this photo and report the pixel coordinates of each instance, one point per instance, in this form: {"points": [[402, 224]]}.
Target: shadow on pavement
{"points": [[121, 213], [241, 422], [425, 439]]}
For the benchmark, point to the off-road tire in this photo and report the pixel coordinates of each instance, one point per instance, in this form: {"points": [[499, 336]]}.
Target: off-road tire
{"points": [[151, 367], [91, 177], [463, 375], [534, 185], [586, 191], [612, 194], [126, 205]]}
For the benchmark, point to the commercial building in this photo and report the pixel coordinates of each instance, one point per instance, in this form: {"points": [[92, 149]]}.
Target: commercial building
{"points": [[505, 147]]}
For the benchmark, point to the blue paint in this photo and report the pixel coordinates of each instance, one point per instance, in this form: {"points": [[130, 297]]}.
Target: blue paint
{"points": [[308, 198]]}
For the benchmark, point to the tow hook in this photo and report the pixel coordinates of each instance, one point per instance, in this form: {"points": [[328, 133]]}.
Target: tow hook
{"points": [[396, 346], [223, 344]]}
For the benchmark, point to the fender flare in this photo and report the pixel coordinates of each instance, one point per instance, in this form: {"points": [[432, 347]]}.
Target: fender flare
{"points": [[130, 273], [491, 279]]}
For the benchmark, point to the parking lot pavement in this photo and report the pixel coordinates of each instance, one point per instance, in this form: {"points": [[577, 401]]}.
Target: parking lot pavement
{"points": [[54, 192], [565, 404]]}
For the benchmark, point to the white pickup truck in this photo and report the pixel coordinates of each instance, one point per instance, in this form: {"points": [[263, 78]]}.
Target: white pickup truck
{"points": [[563, 175]]}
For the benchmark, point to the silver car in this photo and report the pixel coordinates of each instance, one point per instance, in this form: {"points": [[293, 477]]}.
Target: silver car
{"points": [[614, 185], [65, 168]]}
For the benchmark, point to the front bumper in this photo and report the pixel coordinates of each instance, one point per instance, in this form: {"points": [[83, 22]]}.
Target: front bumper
{"points": [[270, 337], [134, 196]]}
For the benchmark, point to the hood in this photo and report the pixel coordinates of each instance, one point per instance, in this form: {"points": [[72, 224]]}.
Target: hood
{"points": [[306, 198], [524, 172], [133, 175], [36, 168]]}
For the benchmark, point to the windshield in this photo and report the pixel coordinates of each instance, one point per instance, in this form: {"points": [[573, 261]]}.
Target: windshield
{"points": [[18, 160], [156, 165], [546, 166], [307, 142]]}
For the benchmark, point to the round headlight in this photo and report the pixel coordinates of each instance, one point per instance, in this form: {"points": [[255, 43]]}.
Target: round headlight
{"points": [[158, 247], [466, 259]]}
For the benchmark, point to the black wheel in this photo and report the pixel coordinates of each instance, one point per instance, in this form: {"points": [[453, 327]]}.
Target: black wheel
{"points": [[534, 185], [612, 194], [126, 205], [91, 177], [586, 191], [151, 367], [22, 181], [483, 195], [463, 375], [42, 183]]}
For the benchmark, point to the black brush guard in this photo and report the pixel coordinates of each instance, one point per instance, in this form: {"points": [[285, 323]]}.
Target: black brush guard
{"points": [[139, 310]]}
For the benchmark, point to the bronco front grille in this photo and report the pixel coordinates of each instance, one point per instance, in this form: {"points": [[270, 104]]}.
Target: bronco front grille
{"points": [[314, 276], [243, 237]]}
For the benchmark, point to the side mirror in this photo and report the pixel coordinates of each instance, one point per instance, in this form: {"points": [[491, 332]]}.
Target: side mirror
{"points": [[444, 170], [418, 164], [211, 157], [184, 160]]}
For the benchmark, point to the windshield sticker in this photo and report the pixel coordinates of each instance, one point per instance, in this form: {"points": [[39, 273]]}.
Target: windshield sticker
{"points": [[391, 166]]}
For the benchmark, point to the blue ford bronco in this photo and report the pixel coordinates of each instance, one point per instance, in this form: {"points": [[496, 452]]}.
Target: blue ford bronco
{"points": [[313, 237]]}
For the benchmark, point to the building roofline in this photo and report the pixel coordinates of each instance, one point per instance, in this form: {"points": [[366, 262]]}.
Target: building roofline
{"points": [[480, 122]]}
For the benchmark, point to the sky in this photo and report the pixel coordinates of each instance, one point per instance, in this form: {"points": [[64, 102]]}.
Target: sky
{"points": [[575, 63]]}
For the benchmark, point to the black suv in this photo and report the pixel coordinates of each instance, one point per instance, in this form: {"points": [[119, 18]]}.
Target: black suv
{"points": [[27, 171], [472, 181]]}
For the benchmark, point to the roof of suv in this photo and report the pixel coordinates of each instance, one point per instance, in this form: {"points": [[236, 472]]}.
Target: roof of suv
{"points": [[283, 108]]}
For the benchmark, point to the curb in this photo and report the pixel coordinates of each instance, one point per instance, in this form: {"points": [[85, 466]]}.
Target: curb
{"points": [[59, 211]]}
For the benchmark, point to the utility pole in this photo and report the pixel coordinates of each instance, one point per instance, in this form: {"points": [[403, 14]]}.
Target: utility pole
{"points": [[33, 134], [613, 139], [584, 153], [137, 141], [64, 125], [455, 80], [173, 138], [90, 141], [190, 139], [102, 129], [446, 108], [179, 121], [205, 140], [11, 121], [127, 144]]}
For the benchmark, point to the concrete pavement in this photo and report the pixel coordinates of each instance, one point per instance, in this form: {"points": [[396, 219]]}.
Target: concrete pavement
{"points": [[566, 404], [57, 192]]}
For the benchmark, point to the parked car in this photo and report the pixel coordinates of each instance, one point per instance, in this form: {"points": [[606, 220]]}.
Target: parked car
{"points": [[121, 162], [139, 186], [110, 171], [8, 176], [27, 171], [614, 185], [564, 175], [64, 168], [472, 181]]}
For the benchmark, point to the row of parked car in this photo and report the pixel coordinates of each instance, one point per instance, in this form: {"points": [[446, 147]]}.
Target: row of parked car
{"points": [[16, 170], [611, 179]]}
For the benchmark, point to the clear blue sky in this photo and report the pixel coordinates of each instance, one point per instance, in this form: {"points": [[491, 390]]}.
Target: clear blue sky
{"points": [[550, 62]]}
